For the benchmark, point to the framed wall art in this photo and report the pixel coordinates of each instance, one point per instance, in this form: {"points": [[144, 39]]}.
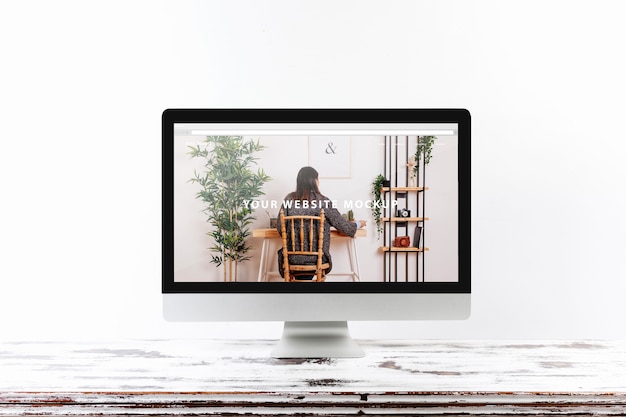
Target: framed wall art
{"points": [[331, 156]]}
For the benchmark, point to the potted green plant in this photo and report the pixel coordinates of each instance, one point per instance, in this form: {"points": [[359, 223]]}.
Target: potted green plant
{"points": [[227, 186], [377, 202]]}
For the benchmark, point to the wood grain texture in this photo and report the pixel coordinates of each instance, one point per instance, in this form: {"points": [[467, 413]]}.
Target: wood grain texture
{"points": [[184, 404], [192, 377]]}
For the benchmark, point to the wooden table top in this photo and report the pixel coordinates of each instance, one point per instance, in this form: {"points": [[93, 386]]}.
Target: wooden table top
{"points": [[233, 376], [271, 233]]}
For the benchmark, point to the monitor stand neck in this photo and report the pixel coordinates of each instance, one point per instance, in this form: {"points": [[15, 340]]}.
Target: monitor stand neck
{"points": [[317, 339]]}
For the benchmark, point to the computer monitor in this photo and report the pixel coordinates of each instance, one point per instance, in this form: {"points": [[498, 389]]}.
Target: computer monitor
{"points": [[228, 172]]}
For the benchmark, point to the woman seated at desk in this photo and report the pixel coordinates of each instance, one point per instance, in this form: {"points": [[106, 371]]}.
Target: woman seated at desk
{"points": [[307, 190]]}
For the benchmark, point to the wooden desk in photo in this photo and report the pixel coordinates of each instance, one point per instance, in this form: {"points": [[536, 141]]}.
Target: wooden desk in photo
{"points": [[268, 252]]}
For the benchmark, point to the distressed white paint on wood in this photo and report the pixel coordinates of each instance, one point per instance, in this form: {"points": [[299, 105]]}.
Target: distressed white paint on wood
{"points": [[403, 377], [310, 404], [449, 404], [208, 365]]}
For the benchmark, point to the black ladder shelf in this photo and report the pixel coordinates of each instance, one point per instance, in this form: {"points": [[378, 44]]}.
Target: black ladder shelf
{"points": [[403, 212]]}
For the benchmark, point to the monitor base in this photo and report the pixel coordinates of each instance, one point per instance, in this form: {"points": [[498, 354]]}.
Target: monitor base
{"points": [[317, 339]]}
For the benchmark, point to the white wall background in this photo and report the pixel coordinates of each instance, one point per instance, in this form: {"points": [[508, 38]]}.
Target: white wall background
{"points": [[83, 85]]}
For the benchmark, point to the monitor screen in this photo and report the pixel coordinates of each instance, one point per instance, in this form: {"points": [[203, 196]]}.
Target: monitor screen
{"points": [[394, 187]]}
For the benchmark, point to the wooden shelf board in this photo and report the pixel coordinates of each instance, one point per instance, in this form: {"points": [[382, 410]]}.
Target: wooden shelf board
{"points": [[393, 249], [405, 219], [386, 189]]}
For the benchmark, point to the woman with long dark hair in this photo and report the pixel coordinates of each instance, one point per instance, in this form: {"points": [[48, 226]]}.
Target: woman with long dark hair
{"points": [[308, 200]]}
